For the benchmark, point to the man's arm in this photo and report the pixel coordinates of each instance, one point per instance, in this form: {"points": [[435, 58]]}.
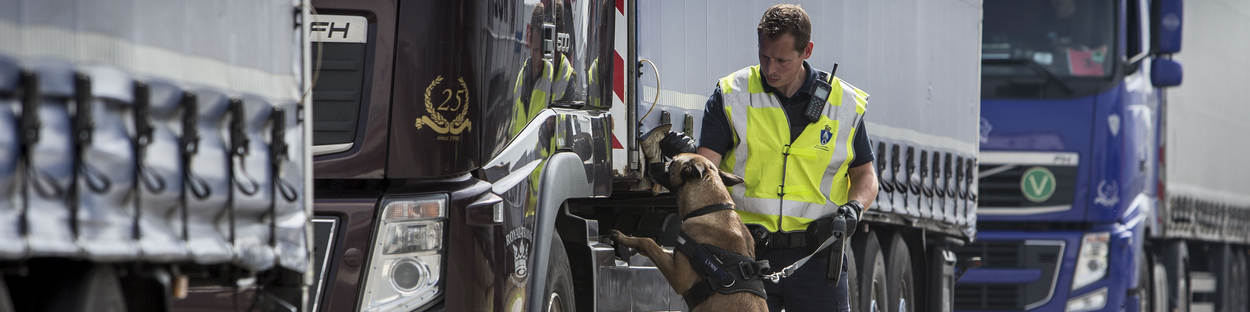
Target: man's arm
{"points": [[717, 137], [863, 184], [710, 155]]}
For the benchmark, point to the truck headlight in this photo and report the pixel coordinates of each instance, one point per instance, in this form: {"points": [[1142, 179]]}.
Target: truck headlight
{"points": [[405, 269], [1089, 302], [1091, 265]]}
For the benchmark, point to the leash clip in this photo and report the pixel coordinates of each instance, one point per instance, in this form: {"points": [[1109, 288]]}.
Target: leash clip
{"points": [[776, 277]]}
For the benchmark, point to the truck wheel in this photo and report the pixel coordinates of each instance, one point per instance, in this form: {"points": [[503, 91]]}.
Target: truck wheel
{"points": [[97, 289], [1221, 263], [1176, 263], [559, 279], [902, 297], [872, 283], [1160, 287], [1239, 276], [6, 305], [852, 278]]}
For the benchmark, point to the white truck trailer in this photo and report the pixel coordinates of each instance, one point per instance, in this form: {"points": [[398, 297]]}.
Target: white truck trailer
{"points": [[149, 148]]}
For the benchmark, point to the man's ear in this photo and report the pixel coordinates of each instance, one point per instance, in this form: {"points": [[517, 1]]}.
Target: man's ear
{"points": [[729, 179]]}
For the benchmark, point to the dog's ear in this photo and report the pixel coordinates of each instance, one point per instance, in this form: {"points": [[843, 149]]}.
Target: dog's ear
{"points": [[730, 179], [691, 171]]}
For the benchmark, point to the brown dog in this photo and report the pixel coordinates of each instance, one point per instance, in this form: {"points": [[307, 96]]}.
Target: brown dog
{"points": [[698, 183]]}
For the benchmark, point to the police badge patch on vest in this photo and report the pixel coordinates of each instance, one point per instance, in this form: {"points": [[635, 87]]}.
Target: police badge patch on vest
{"points": [[825, 136]]}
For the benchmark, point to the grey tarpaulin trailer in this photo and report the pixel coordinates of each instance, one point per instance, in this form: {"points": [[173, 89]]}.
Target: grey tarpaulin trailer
{"points": [[152, 144]]}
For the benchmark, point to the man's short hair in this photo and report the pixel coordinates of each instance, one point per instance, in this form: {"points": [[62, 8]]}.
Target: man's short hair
{"points": [[786, 19]]}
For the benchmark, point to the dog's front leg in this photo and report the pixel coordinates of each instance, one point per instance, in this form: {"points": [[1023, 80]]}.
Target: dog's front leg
{"points": [[675, 269]]}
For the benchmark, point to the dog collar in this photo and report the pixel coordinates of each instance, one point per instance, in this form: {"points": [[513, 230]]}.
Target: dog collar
{"points": [[708, 209]]}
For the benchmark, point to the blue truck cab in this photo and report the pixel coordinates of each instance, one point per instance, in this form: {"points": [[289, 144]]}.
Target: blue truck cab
{"points": [[1071, 99]]}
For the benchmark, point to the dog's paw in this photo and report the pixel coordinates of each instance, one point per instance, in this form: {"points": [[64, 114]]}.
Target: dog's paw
{"points": [[624, 246], [618, 237]]}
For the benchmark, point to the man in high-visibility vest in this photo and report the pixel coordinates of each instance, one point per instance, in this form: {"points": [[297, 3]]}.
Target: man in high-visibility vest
{"points": [[798, 167]]}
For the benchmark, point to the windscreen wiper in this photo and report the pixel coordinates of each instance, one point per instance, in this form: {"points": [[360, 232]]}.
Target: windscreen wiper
{"points": [[1033, 65]]}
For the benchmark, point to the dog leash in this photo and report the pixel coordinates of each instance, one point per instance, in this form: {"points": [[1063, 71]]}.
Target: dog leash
{"points": [[785, 272]]}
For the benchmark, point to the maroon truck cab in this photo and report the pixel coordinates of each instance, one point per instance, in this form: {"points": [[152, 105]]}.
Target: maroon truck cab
{"points": [[446, 134]]}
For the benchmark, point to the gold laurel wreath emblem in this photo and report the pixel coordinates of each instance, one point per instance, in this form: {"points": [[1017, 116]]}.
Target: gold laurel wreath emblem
{"points": [[436, 121]]}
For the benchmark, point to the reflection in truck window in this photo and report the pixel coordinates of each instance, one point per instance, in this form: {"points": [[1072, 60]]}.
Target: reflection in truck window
{"points": [[1066, 37]]}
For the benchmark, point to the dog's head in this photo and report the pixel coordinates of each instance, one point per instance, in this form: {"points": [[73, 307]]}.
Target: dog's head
{"points": [[688, 168]]}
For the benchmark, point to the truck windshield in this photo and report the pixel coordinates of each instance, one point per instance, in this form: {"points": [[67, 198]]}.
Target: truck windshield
{"points": [[1047, 48]]}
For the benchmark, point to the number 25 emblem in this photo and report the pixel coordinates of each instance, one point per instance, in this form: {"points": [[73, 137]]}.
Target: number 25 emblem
{"points": [[452, 101]]}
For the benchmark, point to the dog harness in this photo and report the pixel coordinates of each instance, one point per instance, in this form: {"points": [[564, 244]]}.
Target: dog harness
{"points": [[722, 271]]}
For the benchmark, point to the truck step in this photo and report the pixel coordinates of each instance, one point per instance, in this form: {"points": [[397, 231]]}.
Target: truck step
{"points": [[636, 285]]}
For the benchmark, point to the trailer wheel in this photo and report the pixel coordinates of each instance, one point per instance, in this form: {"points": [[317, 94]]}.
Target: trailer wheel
{"points": [[852, 279], [559, 279], [1239, 276], [6, 305], [902, 298], [872, 284], [1176, 263]]}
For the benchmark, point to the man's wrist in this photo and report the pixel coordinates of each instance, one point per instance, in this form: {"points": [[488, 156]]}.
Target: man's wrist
{"points": [[858, 206]]}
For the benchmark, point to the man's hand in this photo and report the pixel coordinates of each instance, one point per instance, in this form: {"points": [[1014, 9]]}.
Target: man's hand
{"points": [[850, 211], [676, 143]]}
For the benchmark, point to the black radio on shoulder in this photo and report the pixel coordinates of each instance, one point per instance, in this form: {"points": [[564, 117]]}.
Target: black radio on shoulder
{"points": [[820, 94]]}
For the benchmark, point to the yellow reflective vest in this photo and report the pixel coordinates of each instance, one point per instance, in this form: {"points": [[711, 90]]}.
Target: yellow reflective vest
{"points": [[787, 184]]}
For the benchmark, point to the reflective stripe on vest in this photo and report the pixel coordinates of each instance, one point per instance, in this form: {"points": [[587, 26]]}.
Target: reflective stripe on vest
{"points": [[788, 184], [538, 97]]}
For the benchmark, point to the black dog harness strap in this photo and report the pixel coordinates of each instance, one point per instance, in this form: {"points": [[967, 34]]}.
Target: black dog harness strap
{"points": [[723, 271], [708, 209]]}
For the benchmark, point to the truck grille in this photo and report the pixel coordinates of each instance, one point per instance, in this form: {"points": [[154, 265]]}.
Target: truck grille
{"points": [[1038, 255], [338, 92], [1001, 190]]}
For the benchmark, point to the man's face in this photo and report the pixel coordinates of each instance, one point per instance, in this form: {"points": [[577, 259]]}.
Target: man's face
{"points": [[780, 63]]}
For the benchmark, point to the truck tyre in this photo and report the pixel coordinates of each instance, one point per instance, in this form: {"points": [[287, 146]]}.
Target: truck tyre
{"points": [[1160, 288], [1176, 263], [872, 283], [1239, 291], [852, 279], [559, 292], [1221, 264], [6, 305], [902, 295], [96, 289]]}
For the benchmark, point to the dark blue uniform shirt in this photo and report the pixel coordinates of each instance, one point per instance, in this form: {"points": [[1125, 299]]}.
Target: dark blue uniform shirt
{"points": [[718, 135]]}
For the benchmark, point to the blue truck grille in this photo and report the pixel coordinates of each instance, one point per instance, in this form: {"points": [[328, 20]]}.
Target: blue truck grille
{"points": [[1002, 188], [1036, 261]]}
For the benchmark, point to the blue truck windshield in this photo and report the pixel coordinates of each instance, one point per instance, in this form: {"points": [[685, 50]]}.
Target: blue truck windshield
{"points": [[1047, 48]]}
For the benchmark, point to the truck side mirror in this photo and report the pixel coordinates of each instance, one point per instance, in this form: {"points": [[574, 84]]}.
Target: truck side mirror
{"points": [[1165, 21], [1165, 73]]}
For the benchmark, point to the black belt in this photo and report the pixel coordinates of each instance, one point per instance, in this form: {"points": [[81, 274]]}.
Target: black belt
{"points": [[766, 239]]}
